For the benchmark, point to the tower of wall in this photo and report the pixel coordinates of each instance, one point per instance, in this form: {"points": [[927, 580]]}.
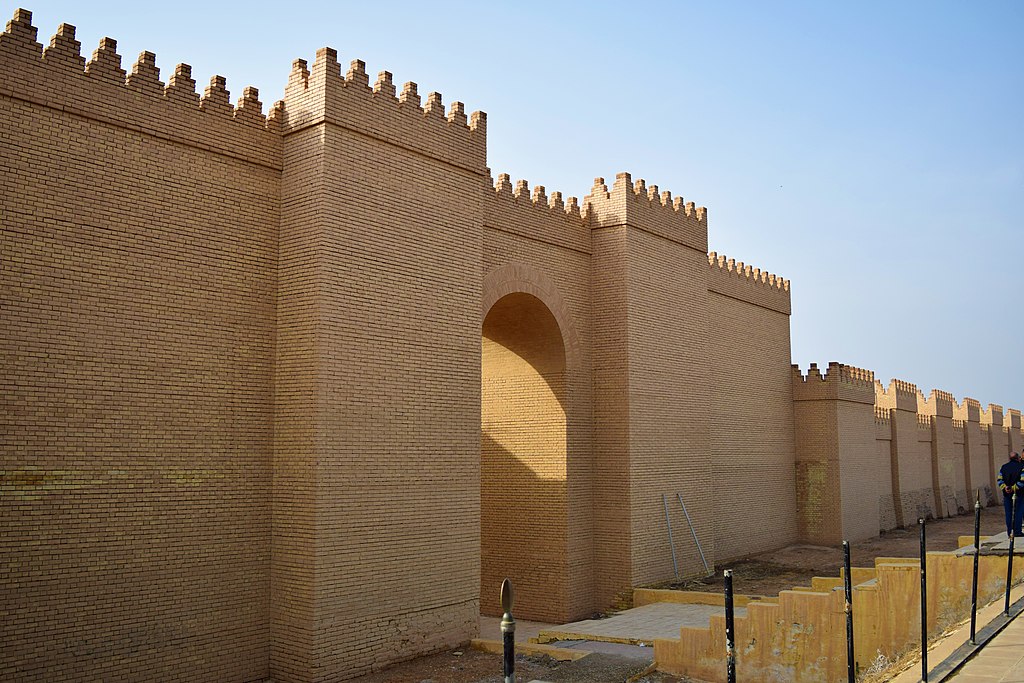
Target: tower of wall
{"points": [[376, 545], [139, 240], [836, 455], [975, 451], [651, 407], [908, 467], [984, 465]]}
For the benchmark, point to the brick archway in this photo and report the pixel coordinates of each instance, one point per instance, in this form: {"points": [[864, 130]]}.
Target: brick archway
{"points": [[526, 279], [527, 348]]}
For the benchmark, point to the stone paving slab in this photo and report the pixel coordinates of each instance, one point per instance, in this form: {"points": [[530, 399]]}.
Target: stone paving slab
{"points": [[998, 544], [1001, 661], [638, 625]]}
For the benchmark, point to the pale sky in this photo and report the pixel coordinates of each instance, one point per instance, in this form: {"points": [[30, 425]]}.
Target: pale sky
{"points": [[870, 152]]}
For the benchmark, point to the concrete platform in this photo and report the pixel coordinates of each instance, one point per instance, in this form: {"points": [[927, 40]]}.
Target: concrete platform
{"points": [[998, 544], [637, 626]]}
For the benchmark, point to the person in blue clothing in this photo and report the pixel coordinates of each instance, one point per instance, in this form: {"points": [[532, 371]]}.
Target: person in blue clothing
{"points": [[1010, 482]]}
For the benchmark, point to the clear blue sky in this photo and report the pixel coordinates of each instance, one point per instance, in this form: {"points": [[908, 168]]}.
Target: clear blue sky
{"points": [[871, 152]]}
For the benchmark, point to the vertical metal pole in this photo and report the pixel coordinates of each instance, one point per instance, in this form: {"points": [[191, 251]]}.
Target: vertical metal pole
{"points": [[974, 580], [693, 531], [851, 665], [924, 608], [508, 633], [671, 543], [730, 634], [1009, 556]]}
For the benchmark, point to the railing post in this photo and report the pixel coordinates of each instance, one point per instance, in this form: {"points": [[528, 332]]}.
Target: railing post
{"points": [[508, 633], [730, 633], [924, 608], [851, 667], [974, 579]]}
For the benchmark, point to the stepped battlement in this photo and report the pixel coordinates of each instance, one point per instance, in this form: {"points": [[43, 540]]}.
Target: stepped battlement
{"points": [[521, 196], [900, 395], [321, 93], [738, 269], [939, 403], [100, 89], [536, 214], [742, 281], [882, 416], [636, 205], [993, 416], [968, 411], [840, 382]]}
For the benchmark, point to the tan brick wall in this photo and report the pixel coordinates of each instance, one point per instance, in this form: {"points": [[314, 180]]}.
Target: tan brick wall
{"points": [[138, 277], [397, 444], [540, 246], [257, 422], [651, 403], [836, 453], [752, 440]]}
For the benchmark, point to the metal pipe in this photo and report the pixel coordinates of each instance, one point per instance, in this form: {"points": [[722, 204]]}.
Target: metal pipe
{"points": [[974, 579], [730, 634], [693, 531], [508, 634], [851, 665], [671, 543], [924, 608], [1009, 556]]}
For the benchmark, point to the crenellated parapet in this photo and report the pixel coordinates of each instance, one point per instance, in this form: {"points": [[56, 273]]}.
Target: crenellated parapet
{"points": [[636, 205], [58, 77], [1012, 419], [939, 403], [742, 281], [899, 396], [840, 382], [537, 215], [968, 411], [322, 94], [992, 417]]}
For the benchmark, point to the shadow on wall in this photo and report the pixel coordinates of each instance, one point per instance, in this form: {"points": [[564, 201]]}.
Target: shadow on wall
{"points": [[523, 465]]}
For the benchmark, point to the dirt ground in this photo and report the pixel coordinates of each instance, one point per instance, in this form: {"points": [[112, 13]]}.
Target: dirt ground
{"points": [[765, 574], [772, 572]]}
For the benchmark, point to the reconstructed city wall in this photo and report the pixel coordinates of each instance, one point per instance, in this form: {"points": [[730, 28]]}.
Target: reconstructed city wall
{"points": [[287, 395], [872, 458], [139, 277], [752, 439]]}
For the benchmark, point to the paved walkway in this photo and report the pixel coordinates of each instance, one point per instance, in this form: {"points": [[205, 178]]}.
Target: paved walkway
{"points": [[1001, 661], [640, 624]]}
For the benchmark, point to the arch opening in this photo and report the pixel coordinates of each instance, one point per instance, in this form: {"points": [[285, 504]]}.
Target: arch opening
{"points": [[523, 458]]}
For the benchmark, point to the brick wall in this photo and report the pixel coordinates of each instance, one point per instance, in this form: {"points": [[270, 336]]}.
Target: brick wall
{"points": [[138, 271], [541, 246], [751, 435], [395, 556], [652, 403]]}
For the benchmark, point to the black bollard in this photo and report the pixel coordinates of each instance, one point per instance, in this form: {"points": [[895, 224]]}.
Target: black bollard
{"points": [[851, 667], [974, 580], [1009, 556], [924, 609], [730, 634], [508, 633]]}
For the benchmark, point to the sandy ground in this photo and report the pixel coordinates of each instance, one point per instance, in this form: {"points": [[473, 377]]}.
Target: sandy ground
{"points": [[765, 574]]}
